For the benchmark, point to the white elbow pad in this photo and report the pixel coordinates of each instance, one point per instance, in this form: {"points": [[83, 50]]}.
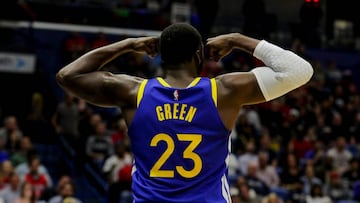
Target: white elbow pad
{"points": [[286, 71]]}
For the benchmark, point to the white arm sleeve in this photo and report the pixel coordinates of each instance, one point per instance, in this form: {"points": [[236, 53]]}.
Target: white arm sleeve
{"points": [[285, 70]]}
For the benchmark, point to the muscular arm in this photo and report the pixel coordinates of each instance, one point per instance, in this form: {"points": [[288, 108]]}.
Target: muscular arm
{"points": [[284, 71], [84, 78]]}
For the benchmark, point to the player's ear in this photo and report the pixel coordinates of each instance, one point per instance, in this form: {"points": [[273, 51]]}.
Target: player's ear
{"points": [[199, 56]]}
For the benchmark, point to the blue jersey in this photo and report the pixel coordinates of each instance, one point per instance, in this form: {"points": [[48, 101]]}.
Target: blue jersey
{"points": [[180, 144]]}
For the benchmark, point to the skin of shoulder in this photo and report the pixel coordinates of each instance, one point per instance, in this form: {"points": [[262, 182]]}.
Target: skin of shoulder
{"points": [[118, 90], [234, 91]]}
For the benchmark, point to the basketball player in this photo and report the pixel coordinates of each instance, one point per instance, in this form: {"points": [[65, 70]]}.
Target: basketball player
{"points": [[179, 125]]}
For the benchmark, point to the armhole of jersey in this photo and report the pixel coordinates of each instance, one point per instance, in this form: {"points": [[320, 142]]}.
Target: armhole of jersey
{"points": [[141, 92], [214, 90]]}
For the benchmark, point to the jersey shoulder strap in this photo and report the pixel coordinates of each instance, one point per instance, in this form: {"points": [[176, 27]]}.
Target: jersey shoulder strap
{"points": [[140, 92], [213, 90]]}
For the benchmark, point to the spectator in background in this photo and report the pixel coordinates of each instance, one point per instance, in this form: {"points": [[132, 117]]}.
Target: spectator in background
{"points": [[111, 169], [66, 190], [317, 196], [27, 194], [20, 155], [265, 146], [125, 180], [66, 118], [309, 179], [323, 128], [85, 129], [246, 158], [24, 168], [272, 117], [303, 143], [36, 124], [317, 154], [340, 155], [10, 134], [11, 191], [352, 174], [254, 182], [336, 188], [119, 133], [95, 119], [317, 157], [6, 171], [245, 193], [39, 181], [253, 118], [99, 145], [245, 131], [338, 126], [290, 176], [266, 172], [51, 192], [85, 112]]}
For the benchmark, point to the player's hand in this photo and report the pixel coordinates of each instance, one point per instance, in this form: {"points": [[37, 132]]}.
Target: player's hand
{"points": [[219, 46], [148, 45]]}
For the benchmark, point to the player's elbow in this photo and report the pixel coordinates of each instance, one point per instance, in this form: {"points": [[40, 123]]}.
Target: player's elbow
{"points": [[63, 78], [308, 71], [60, 78]]}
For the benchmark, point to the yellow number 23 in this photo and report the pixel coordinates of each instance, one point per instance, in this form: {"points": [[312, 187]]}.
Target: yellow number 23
{"points": [[188, 153]]}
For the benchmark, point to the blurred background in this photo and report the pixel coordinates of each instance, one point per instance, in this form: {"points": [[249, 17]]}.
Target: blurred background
{"points": [[302, 147]]}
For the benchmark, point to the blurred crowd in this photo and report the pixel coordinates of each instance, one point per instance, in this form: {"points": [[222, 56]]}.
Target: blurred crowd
{"points": [[23, 176], [300, 148]]}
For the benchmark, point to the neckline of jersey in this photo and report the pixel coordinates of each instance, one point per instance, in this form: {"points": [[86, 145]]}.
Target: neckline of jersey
{"points": [[165, 84]]}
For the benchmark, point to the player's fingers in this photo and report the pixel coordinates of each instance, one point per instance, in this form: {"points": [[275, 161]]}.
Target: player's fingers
{"points": [[210, 42], [151, 50], [213, 54], [154, 49], [215, 58], [209, 39]]}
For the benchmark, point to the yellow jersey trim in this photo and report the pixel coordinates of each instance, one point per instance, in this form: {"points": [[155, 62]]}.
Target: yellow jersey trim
{"points": [[194, 82], [214, 90], [141, 92], [165, 84]]}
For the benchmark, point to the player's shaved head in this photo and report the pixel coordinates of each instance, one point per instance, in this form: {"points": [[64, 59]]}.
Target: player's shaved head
{"points": [[178, 43]]}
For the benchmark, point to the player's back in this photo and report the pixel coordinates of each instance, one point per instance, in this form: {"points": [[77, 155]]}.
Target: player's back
{"points": [[180, 144]]}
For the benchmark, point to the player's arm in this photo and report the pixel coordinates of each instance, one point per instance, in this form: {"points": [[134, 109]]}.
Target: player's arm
{"points": [[284, 70], [84, 78]]}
